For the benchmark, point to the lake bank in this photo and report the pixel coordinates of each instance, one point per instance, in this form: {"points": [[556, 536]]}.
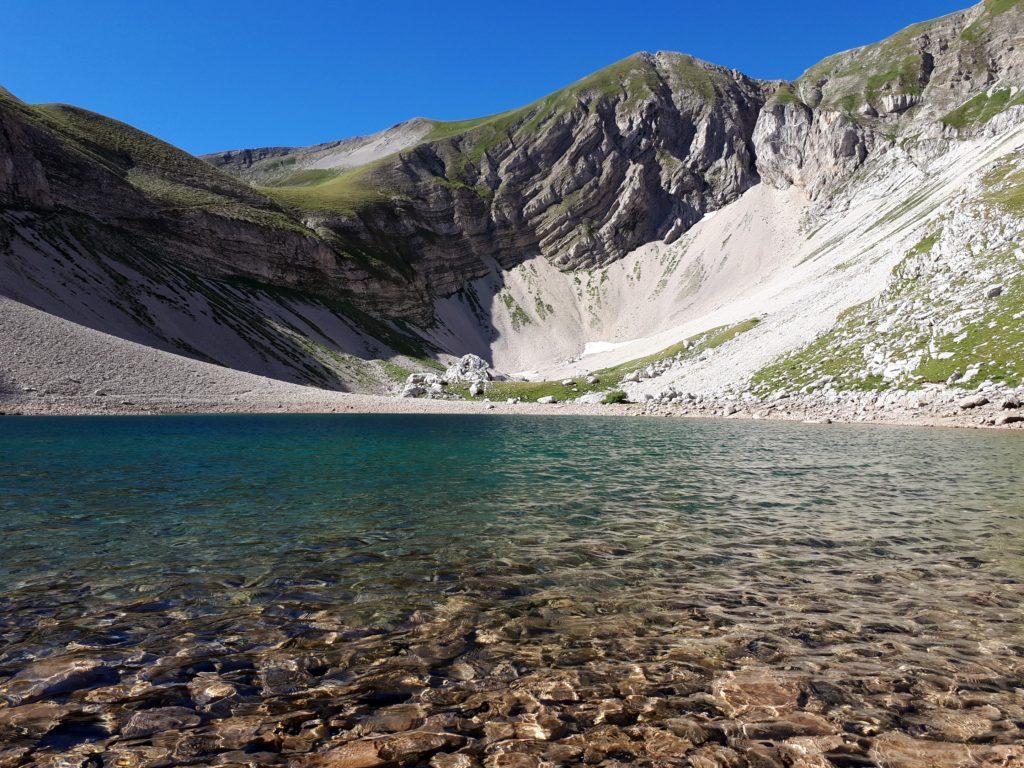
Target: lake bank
{"points": [[860, 409]]}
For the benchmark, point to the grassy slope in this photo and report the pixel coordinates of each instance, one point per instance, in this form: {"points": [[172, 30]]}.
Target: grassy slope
{"points": [[990, 342], [895, 66], [172, 180], [982, 108], [892, 66]]}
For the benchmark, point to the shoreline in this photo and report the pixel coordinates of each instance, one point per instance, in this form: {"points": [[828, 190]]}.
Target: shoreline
{"points": [[326, 402]]}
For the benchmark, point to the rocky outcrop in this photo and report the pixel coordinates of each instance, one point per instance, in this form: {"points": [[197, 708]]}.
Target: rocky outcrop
{"points": [[469, 368], [940, 79], [797, 146]]}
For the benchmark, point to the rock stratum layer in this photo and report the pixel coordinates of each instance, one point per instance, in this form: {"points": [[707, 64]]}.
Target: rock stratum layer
{"points": [[654, 200]]}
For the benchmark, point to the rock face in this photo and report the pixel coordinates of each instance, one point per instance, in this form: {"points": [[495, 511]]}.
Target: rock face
{"points": [[797, 146], [637, 152], [933, 80]]}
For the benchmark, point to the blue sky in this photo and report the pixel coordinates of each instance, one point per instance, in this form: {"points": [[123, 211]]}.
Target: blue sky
{"points": [[221, 75]]}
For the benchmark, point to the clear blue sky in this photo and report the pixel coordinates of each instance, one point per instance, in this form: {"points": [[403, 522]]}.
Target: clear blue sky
{"points": [[220, 74]]}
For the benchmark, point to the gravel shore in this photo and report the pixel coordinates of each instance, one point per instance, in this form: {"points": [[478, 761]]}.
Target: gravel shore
{"points": [[308, 400]]}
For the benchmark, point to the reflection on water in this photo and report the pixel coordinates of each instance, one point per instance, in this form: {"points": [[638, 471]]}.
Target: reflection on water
{"points": [[358, 591]]}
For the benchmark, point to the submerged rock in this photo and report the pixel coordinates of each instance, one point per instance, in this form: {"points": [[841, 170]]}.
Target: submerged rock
{"points": [[56, 676], [149, 721]]}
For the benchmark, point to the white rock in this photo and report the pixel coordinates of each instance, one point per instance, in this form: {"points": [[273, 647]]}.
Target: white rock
{"points": [[975, 401], [549, 400], [467, 368]]}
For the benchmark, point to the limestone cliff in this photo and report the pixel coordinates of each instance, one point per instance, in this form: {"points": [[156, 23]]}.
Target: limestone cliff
{"points": [[914, 92]]}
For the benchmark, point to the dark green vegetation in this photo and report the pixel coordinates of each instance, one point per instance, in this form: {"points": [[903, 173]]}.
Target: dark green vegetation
{"points": [[615, 397]]}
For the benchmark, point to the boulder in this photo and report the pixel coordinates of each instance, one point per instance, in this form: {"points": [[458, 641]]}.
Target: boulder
{"points": [[549, 400], [467, 368], [476, 389], [974, 401], [423, 379]]}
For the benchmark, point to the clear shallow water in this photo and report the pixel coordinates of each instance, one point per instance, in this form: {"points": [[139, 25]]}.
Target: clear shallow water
{"points": [[509, 589]]}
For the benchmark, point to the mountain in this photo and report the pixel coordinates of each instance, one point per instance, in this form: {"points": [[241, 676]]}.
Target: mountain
{"points": [[861, 214]]}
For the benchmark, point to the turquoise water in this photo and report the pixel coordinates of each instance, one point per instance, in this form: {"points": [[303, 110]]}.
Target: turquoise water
{"points": [[329, 548]]}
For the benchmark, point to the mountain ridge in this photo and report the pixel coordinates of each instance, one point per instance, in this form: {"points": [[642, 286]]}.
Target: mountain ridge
{"points": [[354, 253]]}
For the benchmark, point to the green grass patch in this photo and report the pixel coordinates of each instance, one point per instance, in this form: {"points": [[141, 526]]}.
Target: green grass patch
{"points": [[1005, 185], [838, 354], [979, 110], [927, 244], [786, 95], [306, 178], [394, 372], [615, 397], [173, 180], [994, 345], [999, 7], [346, 192]]}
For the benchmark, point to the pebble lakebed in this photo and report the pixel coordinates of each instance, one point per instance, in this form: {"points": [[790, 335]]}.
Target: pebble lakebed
{"points": [[508, 591]]}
